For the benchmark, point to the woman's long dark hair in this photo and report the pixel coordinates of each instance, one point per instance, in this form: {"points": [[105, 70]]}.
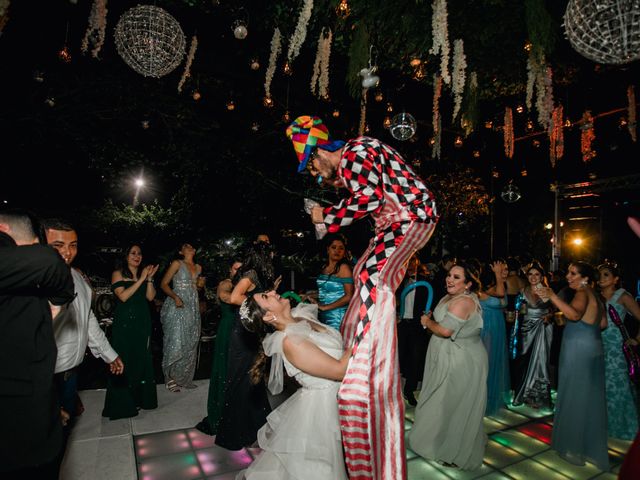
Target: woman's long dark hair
{"points": [[259, 258], [255, 324]]}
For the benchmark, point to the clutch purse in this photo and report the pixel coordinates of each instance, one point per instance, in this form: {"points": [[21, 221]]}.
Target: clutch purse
{"points": [[630, 352]]}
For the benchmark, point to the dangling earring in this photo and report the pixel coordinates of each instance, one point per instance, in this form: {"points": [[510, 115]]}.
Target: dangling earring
{"points": [[584, 283], [466, 290]]}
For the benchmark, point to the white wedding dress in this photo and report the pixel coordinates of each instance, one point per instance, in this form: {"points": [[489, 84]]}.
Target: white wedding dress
{"points": [[301, 439]]}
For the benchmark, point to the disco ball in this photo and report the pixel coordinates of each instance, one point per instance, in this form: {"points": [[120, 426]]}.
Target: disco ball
{"points": [[511, 193], [605, 31], [403, 126], [150, 40]]}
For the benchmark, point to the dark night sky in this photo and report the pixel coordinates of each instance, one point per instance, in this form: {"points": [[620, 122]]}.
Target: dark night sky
{"points": [[47, 159]]}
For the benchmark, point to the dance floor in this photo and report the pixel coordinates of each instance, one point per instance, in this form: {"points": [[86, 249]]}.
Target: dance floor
{"points": [[162, 445]]}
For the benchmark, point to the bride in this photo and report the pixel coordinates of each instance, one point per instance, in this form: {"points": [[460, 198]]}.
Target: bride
{"points": [[301, 439]]}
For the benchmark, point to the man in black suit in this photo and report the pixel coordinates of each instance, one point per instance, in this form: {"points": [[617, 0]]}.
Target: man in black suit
{"points": [[34, 282], [413, 339]]}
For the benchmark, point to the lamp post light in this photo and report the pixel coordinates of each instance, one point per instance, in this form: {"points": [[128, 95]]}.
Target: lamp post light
{"points": [[139, 183]]}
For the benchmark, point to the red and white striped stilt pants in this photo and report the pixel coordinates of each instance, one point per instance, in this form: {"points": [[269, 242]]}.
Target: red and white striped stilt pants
{"points": [[370, 399]]}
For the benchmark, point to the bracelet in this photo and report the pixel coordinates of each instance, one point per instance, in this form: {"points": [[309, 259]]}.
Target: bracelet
{"points": [[150, 280]]}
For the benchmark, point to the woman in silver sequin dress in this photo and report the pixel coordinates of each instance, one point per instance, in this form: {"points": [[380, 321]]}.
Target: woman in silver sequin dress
{"points": [[180, 317]]}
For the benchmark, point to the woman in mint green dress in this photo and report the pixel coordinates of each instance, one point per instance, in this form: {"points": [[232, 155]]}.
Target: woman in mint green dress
{"points": [[448, 424], [622, 406], [335, 283], [130, 337]]}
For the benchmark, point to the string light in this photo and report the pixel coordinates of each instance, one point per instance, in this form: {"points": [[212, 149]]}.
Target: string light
{"points": [[65, 55], [519, 109], [267, 102], [231, 106], [343, 9], [389, 107], [386, 123], [488, 124], [336, 113], [379, 97], [287, 69], [476, 154], [458, 142], [255, 64], [196, 95]]}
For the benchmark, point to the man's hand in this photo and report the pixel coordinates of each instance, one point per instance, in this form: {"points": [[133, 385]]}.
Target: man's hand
{"points": [[116, 367], [64, 417], [317, 215]]}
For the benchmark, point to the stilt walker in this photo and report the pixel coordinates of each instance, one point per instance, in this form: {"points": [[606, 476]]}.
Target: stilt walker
{"points": [[384, 186]]}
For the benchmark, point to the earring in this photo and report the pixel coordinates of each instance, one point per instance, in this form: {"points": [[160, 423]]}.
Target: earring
{"points": [[466, 291], [584, 283]]}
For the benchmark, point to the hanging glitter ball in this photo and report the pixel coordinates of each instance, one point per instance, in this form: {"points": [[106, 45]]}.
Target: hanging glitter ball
{"points": [[150, 40], [403, 126], [605, 31], [511, 193]]}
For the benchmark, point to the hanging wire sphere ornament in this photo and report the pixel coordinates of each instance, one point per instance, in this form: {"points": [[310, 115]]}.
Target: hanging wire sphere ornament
{"points": [[605, 31], [403, 126], [511, 193], [150, 40], [240, 29]]}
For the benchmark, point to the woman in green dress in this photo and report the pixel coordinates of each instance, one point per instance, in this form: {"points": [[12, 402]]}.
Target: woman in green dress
{"points": [[215, 401], [131, 335], [448, 424]]}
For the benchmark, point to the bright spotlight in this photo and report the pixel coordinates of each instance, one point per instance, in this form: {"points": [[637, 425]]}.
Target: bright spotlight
{"points": [[578, 241], [548, 226], [139, 182]]}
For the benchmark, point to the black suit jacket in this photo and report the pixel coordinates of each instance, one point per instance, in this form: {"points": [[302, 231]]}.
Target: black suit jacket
{"points": [[30, 277]]}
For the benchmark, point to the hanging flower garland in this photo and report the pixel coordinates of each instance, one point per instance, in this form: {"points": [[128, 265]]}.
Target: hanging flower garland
{"points": [[470, 117], [300, 33], [320, 77], [437, 119], [440, 33], [631, 112], [187, 66], [276, 47], [556, 136], [96, 29], [459, 75], [544, 99], [587, 136], [363, 112], [508, 132], [4, 13], [532, 75]]}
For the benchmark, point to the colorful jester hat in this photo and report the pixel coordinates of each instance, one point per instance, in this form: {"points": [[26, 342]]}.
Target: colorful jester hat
{"points": [[308, 133]]}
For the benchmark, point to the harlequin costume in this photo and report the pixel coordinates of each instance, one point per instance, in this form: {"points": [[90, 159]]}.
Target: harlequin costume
{"points": [[384, 186]]}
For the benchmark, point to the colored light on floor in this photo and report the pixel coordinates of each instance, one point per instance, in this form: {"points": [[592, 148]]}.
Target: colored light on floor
{"points": [[539, 431]]}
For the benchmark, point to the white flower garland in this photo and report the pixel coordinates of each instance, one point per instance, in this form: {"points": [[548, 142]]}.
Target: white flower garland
{"points": [[320, 77], [187, 65], [544, 98], [459, 75], [440, 34], [465, 121], [531, 79], [276, 47], [508, 132], [300, 33], [363, 112], [631, 112], [96, 28], [437, 119]]}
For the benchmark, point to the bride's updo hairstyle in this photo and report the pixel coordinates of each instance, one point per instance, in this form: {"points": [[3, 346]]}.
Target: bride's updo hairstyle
{"points": [[251, 315], [470, 275]]}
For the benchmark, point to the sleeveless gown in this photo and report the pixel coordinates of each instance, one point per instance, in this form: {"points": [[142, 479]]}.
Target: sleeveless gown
{"points": [[130, 337], [218, 379], [181, 329], [246, 405], [622, 413], [330, 289], [301, 439], [580, 423], [533, 381], [494, 337], [448, 423]]}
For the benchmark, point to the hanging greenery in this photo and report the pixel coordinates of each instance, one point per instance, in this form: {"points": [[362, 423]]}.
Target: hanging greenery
{"points": [[187, 66], [631, 112], [541, 28], [358, 59]]}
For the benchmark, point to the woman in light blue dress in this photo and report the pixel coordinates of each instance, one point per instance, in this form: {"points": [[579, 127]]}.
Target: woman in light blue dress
{"points": [[580, 423], [622, 401], [180, 317], [335, 283], [494, 336]]}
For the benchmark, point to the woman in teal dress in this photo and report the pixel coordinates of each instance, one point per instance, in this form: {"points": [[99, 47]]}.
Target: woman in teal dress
{"points": [[130, 337], [228, 313], [580, 423], [335, 283], [622, 400], [448, 424], [494, 336]]}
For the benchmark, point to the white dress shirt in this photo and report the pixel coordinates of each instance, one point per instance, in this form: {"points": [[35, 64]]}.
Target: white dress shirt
{"points": [[79, 328]]}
